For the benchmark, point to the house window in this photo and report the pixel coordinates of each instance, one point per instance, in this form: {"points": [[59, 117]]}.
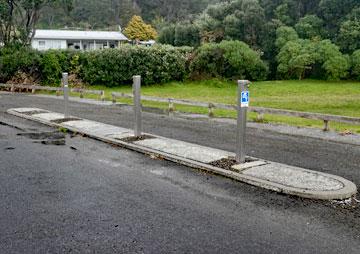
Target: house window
{"points": [[41, 44]]}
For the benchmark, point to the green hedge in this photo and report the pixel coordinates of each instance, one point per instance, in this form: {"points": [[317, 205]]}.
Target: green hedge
{"points": [[53, 63], [157, 64], [109, 67], [112, 67], [18, 59], [46, 67]]}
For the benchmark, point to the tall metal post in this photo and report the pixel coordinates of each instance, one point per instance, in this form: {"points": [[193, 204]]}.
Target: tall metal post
{"points": [[65, 80], [137, 105], [242, 105]]}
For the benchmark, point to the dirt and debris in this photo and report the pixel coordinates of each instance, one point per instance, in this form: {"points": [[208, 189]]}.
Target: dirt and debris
{"points": [[21, 78], [58, 121], [347, 204], [134, 139], [227, 163], [34, 112], [346, 133]]}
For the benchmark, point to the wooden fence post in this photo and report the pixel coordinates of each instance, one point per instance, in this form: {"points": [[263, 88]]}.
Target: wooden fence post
{"points": [[326, 125], [211, 110], [113, 98], [102, 96], [259, 117], [171, 107]]}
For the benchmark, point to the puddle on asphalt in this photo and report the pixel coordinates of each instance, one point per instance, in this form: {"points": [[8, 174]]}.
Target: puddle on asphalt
{"points": [[45, 138]]}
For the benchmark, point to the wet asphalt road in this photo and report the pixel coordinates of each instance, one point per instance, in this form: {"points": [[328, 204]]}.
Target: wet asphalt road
{"points": [[89, 197]]}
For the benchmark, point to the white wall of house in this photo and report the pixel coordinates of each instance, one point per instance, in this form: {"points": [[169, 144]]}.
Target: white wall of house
{"points": [[46, 44]]}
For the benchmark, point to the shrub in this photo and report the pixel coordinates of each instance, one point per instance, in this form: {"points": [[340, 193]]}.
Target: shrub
{"points": [[50, 68], [314, 59], [113, 67], [182, 34], [53, 63], [17, 59], [228, 59]]}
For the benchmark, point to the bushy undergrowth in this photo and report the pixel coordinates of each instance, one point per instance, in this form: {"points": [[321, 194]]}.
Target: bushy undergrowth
{"points": [[17, 59], [228, 59]]}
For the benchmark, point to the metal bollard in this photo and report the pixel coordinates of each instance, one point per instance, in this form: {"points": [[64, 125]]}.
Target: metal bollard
{"points": [[242, 105], [66, 94], [137, 105]]}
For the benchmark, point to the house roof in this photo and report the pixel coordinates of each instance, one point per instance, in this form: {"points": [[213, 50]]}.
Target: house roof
{"points": [[79, 35]]}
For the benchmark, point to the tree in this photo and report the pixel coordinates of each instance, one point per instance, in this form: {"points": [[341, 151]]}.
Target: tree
{"points": [[18, 19], [300, 59], [349, 35], [334, 63], [284, 34], [167, 35], [229, 59], [355, 64], [172, 10], [333, 12], [186, 34], [282, 14], [235, 20], [295, 58], [137, 29], [309, 27]]}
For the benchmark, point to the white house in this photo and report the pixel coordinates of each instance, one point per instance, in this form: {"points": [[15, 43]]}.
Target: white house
{"points": [[80, 40]]}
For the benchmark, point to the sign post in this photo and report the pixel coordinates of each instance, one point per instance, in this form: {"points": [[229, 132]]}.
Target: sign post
{"points": [[137, 105], [65, 81], [242, 105]]}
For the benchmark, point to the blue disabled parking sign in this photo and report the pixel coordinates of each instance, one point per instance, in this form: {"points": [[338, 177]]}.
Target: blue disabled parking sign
{"points": [[245, 99]]}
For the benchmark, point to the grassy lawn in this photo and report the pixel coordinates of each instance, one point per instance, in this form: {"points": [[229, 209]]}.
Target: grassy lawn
{"points": [[338, 98]]}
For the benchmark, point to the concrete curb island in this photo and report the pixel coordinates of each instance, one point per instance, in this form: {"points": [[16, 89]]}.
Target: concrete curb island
{"points": [[265, 174]]}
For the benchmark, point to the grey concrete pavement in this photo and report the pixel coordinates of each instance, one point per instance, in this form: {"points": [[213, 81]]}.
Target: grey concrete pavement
{"points": [[273, 176], [88, 197]]}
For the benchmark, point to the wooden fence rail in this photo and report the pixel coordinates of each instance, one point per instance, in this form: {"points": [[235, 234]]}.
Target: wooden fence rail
{"points": [[58, 90], [211, 106], [259, 110]]}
